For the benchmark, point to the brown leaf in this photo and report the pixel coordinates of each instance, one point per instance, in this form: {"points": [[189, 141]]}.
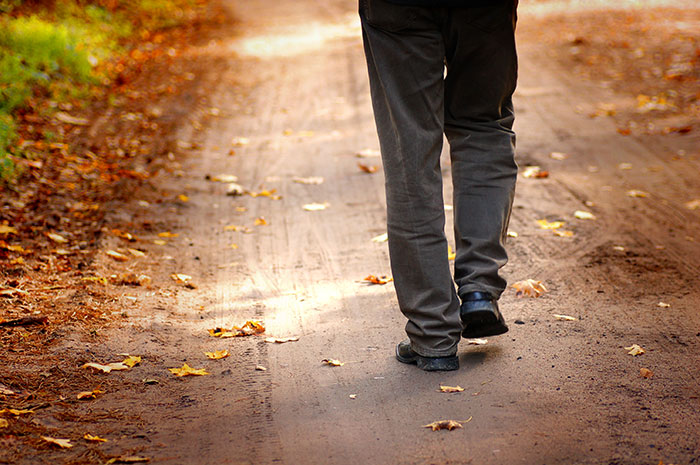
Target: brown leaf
{"points": [[529, 288], [444, 424], [645, 373], [372, 279], [62, 443], [85, 395], [368, 168]]}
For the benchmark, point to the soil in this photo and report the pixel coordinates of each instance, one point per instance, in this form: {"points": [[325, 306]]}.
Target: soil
{"points": [[272, 92]]}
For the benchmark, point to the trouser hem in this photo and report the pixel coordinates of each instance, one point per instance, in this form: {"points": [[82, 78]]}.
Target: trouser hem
{"points": [[424, 352]]}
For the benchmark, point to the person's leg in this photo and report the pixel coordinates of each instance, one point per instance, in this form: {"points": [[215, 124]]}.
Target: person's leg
{"points": [[481, 78], [405, 58]]}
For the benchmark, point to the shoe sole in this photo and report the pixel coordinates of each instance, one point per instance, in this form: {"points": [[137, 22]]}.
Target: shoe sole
{"points": [[483, 323], [430, 364]]}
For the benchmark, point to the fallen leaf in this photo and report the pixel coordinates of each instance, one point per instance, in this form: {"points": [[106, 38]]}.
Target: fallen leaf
{"points": [[187, 370], [248, 329], [312, 207], [444, 424], [562, 233], [371, 279], [512, 234], [115, 366], [637, 193], [368, 153], [308, 180], [559, 155], [634, 350], [217, 354], [544, 224], [16, 412], [57, 238], [159, 242], [282, 340], [645, 373], [89, 394], [240, 141], [692, 205], [564, 317], [260, 221], [618, 248], [183, 198], [529, 288], [127, 459], [120, 257], [584, 215], [368, 168], [64, 117], [4, 423], [136, 252], [5, 391], [236, 228], [353, 396], [225, 178], [90, 437], [477, 341], [168, 234], [451, 388], [62, 443], [235, 189], [381, 238], [260, 368], [535, 172], [131, 361], [266, 193], [181, 278], [663, 305], [332, 362], [5, 229]]}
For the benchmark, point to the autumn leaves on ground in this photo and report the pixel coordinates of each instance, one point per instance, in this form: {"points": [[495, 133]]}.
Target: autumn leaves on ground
{"points": [[193, 263]]}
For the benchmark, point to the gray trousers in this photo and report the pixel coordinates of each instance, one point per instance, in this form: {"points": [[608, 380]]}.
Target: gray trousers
{"points": [[415, 102]]}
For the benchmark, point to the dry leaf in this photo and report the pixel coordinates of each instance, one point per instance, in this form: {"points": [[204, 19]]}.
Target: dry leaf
{"points": [[5, 229], [131, 361], [225, 178], [562, 233], [62, 443], [217, 354], [64, 117], [183, 198], [266, 193], [619, 248], [115, 366], [236, 228], [368, 153], [535, 172], [544, 224], [368, 168], [90, 437], [168, 234], [663, 305], [309, 180], [260, 368], [248, 329], [564, 317], [634, 350], [353, 396], [260, 221], [451, 388], [529, 288], [120, 257], [444, 424], [4, 423], [57, 238], [240, 141], [127, 459], [332, 362], [584, 215], [16, 412], [381, 238], [282, 340], [313, 207], [559, 155], [637, 193], [181, 278], [371, 279], [89, 394], [477, 341], [645, 373], [187, 370], [512, 234], [136, 252], [235, 189], [692, 205], [159, 242]]}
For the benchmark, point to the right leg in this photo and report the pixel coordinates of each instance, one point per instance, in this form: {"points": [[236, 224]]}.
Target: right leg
{"points": [[405, 57]]}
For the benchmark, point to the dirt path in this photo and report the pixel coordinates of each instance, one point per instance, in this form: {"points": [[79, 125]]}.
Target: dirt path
{"points": [[548, 392]]}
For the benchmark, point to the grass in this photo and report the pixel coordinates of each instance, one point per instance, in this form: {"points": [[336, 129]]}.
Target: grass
{"points": [[54, 54]]}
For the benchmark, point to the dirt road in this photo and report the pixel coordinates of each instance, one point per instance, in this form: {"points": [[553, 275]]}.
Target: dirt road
{"points": [[293, 83]]}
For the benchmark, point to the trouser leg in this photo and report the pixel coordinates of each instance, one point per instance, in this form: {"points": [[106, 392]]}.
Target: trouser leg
{"points": [[481, 78], [406, 82]]}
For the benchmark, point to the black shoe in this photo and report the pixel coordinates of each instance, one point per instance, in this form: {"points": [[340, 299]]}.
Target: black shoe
{"points": [[480, 315], [405, 354]]}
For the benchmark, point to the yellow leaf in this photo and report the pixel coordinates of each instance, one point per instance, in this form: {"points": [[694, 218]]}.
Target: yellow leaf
{"points": [[332, 362], [692, 205], [645, 373], [225, 178], [637, 193], [371, 279], [266, 193], [187, 370], [181, 278], [167, 234], [544, 224], [381, 238], [89, 394], [529, 288], [4, 423], [663, 305], [62, 443], [16, 412], [512, 234], [368, 168], [564, 317], [57, 238], [535, 172], [136, 253], [313, 207], [562, 233], [635, 350], [5, 229], [444, 424], [282, 340], [584, 215], [248, 329], [236, 228], [131, 361], [117, 256], [451, 388], [90, 437], [450, 254], [260, 221], [115, 366], [217, 354], [159, 242], [183, 198]]}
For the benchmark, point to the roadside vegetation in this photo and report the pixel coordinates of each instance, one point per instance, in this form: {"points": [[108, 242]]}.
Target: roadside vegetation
{"points": [[57, 57]]}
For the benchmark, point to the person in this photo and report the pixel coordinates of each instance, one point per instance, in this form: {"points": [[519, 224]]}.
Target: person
{"points": [[444, 67]]}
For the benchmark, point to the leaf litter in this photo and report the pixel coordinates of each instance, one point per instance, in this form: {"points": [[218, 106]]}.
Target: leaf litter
{"points": [[250, 328], [529, 288]]}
